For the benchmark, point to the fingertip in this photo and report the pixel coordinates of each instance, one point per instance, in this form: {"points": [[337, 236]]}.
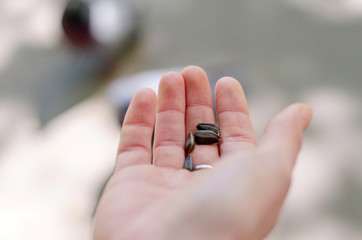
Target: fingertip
{"points": [[143, 100], [197, 87], [302, 111], [229, 96], [193, 72], [170, 76], [171, 86], [226, 84], [170, 80], [145, 93], [227, 81], [305, 113]]}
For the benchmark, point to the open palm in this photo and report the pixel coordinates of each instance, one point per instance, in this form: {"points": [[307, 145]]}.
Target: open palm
{"points": [[150, 195]]}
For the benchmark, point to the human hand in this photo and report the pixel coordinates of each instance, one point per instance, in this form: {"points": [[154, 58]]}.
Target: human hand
{"points": [[240, 198]]}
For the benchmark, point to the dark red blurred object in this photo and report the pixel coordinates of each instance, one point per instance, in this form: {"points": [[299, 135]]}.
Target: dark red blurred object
{"points": [[76, 23]]}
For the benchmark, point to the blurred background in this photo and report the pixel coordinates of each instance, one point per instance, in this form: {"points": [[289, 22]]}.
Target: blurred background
{"points": [[68, 70]]}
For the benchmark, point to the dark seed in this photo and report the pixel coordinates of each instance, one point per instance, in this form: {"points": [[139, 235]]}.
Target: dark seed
{"points": [[188, 163], [208, 126], [206, 137], [190, 143]]}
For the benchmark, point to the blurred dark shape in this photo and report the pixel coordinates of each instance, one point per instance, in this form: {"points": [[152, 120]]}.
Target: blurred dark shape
{"points": [[76, 23], [107, 25], [99, 33]]}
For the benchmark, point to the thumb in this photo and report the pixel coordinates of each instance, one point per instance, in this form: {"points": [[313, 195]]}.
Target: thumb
{"points": [[283, 136]]}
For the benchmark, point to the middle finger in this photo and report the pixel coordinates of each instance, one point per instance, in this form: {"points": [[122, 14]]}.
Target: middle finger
{"points": [[199, 109]]}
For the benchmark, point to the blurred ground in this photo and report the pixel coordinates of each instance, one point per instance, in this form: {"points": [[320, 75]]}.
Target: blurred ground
{"points": [[283, 51]]}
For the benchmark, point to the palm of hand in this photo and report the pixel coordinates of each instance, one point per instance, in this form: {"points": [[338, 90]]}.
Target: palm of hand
{"points": [[136, 198], [164, 201]]}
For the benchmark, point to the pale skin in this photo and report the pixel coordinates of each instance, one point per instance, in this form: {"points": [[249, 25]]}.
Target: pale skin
{"points": [[151, 196]]}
